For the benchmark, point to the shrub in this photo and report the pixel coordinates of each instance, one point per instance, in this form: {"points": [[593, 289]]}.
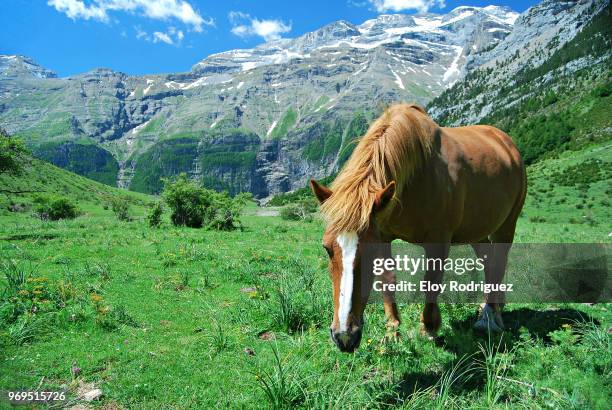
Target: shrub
{"points": [[55, 208], [191, 205], [227, 211], [198, 207], [155, 214], [121, 209], [299, 211]]}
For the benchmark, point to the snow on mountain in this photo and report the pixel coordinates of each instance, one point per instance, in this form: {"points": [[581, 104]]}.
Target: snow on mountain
{"points": [[472, 28]]}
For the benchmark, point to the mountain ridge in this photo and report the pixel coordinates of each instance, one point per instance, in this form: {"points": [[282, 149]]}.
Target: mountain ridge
{"points": [[263, 119]]}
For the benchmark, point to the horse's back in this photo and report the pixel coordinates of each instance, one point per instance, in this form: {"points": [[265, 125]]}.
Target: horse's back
{"points": [[485, 145], [490, 176]]}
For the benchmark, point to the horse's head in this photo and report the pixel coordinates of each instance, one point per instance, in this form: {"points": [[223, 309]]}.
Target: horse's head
{"points": [[350, 288]]}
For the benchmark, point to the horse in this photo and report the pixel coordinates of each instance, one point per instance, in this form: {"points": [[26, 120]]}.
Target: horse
{"points": [[410, 179]]}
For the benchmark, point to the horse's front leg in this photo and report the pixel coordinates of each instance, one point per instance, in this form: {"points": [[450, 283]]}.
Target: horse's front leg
{"points": [[391, 313], [431, 318]]}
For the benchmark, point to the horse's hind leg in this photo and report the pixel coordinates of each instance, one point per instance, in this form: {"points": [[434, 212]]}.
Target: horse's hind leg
{"points": [[489, 318], [431, 318], [495, 268]]}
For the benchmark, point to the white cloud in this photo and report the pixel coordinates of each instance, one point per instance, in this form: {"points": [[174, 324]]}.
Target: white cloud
{"points": [[383, 6], [76, 9], [140, 33], [243, 25], [172, 36], [179, 10], [164, 37]]}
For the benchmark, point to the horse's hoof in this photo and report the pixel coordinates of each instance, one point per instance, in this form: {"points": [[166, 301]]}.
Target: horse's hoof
{"points": [[431, 320], [392, 336], [489, 321], [427, 334]]}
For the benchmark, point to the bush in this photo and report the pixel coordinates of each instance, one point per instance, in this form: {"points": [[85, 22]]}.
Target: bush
{"points": [[299, 211], [191, 205], [227, 211], [55, 208], [198, 207], [155, 214], [121, 208]]}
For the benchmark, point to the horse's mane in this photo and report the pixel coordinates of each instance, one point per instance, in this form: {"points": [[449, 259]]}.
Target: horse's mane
{"points": [[393, 148]]}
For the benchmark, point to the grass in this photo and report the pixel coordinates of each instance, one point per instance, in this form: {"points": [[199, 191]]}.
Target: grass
{"points": [[184, 318], [286, 122]]}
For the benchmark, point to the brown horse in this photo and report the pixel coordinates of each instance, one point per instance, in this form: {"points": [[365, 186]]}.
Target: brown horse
{"points": [[412, 180]]}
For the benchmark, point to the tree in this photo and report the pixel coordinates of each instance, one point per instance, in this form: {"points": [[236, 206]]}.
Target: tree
{"points": [[12, 151]]}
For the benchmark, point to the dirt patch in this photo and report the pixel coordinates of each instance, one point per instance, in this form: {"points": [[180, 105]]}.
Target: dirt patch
{"points": [[269, 211]]}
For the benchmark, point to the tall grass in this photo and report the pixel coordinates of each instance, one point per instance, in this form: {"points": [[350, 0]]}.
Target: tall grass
{"points": [[300, 301], [14, 276], [29, 327], [495, 366], [281, 385], [219, 339], [461, 372]]}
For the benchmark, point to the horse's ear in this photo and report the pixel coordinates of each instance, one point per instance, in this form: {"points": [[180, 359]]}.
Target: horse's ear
{"points": [[384, 196], [418, 108], [320, 191]]}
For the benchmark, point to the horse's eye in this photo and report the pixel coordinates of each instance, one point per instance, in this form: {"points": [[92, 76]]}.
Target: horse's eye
{"points": [[329, 251]]}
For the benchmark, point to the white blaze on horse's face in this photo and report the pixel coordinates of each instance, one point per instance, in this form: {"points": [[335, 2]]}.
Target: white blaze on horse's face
{"points": [[348, 242]]}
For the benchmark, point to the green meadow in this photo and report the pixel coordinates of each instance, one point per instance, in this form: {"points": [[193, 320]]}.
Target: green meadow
{"points": [[175, 317]]}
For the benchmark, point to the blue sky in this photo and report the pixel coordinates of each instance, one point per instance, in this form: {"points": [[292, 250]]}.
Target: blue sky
{"points": [[157, 36]]}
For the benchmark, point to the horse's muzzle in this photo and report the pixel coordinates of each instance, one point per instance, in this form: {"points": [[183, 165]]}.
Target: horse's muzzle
{"points": [[346, 341]]}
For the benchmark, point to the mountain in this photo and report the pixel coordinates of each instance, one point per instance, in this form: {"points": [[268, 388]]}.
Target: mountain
{"points": [[548, 87], [23, 67], [265, 119]]}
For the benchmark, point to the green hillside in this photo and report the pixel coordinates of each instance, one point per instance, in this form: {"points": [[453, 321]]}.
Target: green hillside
{"points": [[81, 157], [40, 178]]}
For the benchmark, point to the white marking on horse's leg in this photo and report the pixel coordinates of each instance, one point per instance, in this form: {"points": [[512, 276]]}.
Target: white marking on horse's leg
{"points": [[487, 321], [348, 243]]}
